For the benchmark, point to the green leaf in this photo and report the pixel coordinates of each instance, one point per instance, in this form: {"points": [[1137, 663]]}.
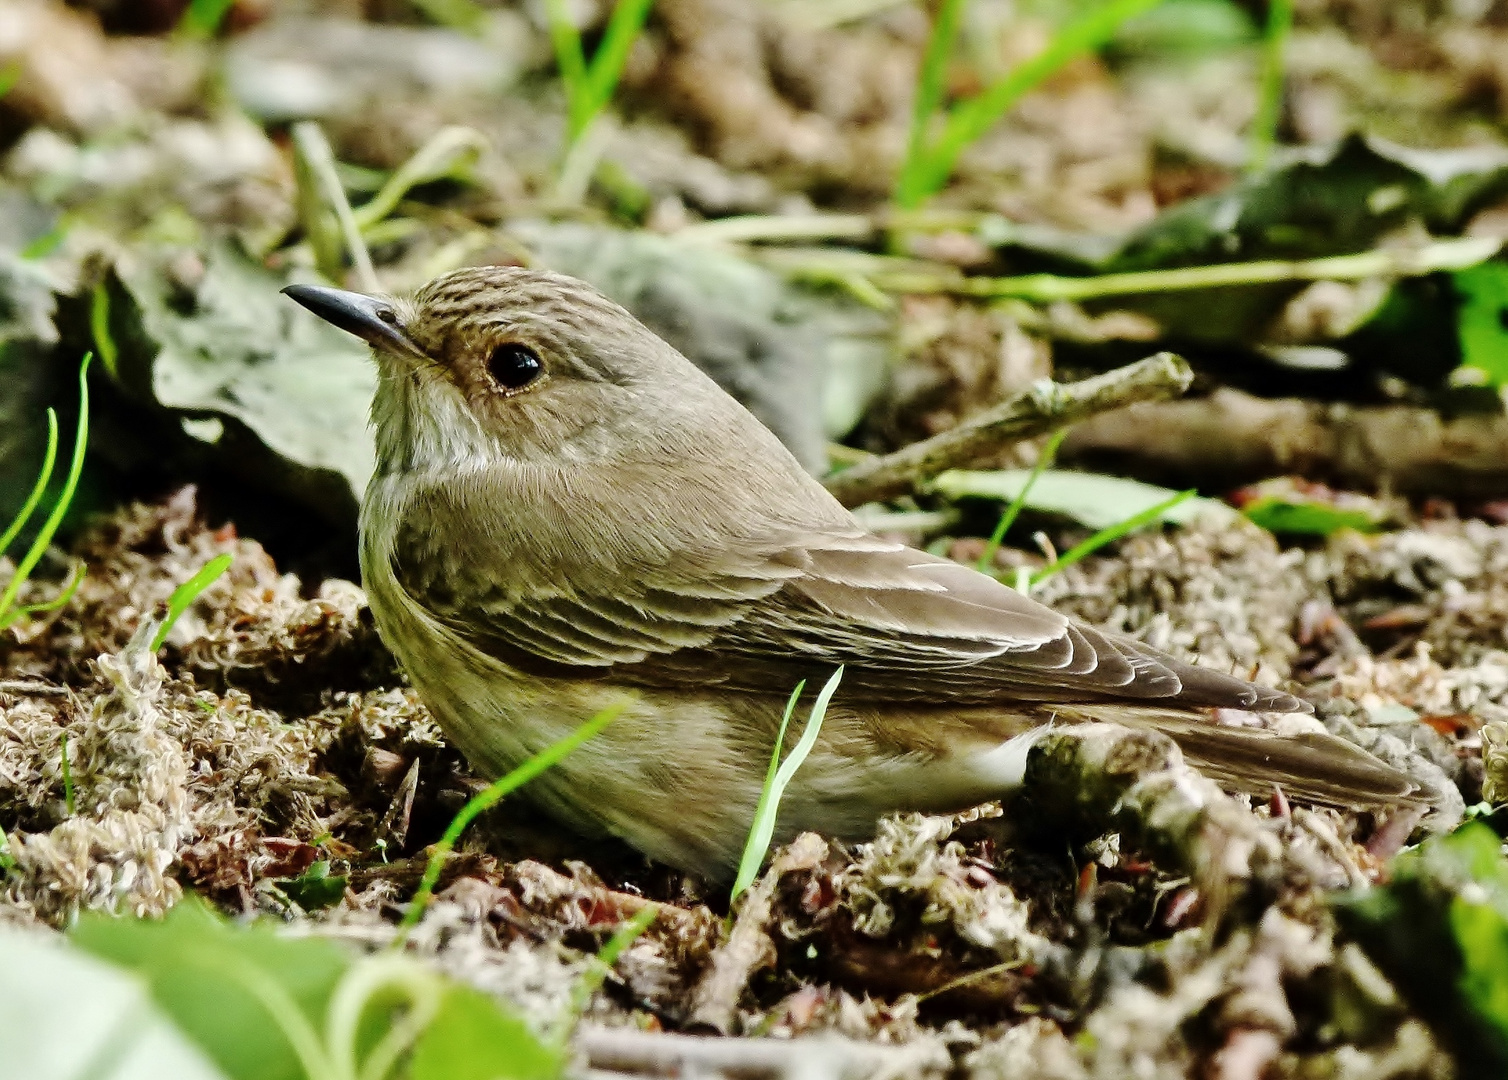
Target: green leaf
{"points": [[1482, 322], [66, 1015], [1482, 933], [472, 1039], [214, 980], [1307, 518], [1185, 27], [1439, 931], [292, 391], [1088, 498], [316, 887], [202, 18]]}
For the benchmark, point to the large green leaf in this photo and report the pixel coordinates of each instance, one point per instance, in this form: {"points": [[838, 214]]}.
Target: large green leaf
{"points": [[65, 1015], [204, 973], [229, 345], [1089, 498], [265, 1006], [472, 1039], [1439, 930], [1483, 320]]}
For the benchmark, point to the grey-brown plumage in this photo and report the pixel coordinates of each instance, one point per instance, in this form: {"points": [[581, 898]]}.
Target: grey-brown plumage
{"points": [[567, 512]]}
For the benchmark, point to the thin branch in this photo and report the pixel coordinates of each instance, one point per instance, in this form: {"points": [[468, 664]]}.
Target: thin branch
{"points": [[1454, 254], [35, 689], [664, 1054], [1045, 407]]}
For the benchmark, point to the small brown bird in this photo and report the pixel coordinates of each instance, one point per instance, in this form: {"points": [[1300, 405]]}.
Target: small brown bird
{"points": [[566, 512]]}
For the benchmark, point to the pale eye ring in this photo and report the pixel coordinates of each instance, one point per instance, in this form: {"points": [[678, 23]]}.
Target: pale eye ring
{"points": [[514, 366]]}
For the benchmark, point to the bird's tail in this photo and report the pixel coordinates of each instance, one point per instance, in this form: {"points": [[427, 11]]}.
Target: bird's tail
{"points": [[1310, 765]]}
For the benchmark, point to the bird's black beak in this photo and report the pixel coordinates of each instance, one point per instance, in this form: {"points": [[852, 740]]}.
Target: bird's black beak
{"points": [[374, 321]]}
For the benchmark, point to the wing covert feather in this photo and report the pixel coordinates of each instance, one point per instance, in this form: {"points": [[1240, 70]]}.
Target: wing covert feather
{"points": [[788, 604]]}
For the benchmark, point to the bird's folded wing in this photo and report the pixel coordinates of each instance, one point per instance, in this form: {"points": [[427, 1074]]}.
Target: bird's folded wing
{"points": [[764, 613]]}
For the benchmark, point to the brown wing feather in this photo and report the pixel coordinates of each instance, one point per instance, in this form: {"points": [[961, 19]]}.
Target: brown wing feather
{"points": [[1313, 766], [763, 613]]}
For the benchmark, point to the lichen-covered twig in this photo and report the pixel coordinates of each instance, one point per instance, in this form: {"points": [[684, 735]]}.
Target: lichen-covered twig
{"points": [[639, 1053], [1043, 408], [1453, 254], [1136, 782], [31, 687]]}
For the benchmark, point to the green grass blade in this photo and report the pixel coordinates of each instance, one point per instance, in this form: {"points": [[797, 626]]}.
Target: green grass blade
{"points": [[10, 75], [65, 497], [467, 16], [572, 63], [1105, 536], [29, 507], [971, 119], [1264, 127], [607, 956], [445, 155], [187, 593], [99, 327], [763, 829], [1007, 519], [929, 89], [764, 812], [623, 28], [495, 793], [809, 735], [202, 18], [76, 578]]}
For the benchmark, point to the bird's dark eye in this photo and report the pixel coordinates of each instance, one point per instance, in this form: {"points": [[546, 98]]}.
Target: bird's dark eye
{"points": [[514, 366]]}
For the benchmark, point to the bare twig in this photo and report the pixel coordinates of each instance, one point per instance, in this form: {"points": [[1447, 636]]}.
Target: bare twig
{"points": [[31, 687], [1231, 438], [829, 1056], [1045, 407], [1135, 781]]}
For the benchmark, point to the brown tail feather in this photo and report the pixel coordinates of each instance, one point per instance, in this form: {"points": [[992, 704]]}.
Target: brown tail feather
{"points": [[1310, 766]]}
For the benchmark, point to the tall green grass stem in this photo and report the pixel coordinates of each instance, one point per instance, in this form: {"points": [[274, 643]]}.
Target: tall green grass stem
{"points": [[495, 793], [1264, 127], [589, 981], [1456, 253], [1007, 519], [590, 85], [60, 508], [762, 830], [29, 507], [1108, 535], [929, 163], [99, 327]]}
